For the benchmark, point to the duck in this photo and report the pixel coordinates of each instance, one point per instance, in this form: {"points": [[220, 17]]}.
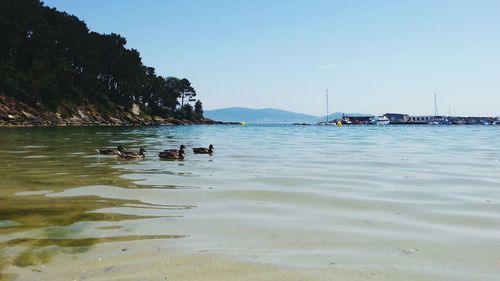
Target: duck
{"points": [[173, 154], [203, 150], [111, 151], [181, 147], [132, 154]]}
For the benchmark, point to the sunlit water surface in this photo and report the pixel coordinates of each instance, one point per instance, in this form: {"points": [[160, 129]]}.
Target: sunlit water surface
{"points": [[420, 201]]}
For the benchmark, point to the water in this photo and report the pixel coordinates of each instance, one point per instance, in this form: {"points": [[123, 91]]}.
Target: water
{"points": [[376, 202]]}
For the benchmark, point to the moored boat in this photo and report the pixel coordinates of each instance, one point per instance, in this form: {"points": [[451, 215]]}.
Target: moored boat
{"points": [[380, 120]]}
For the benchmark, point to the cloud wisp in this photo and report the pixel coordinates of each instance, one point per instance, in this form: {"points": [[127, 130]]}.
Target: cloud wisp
{"points": [[339, 65]]}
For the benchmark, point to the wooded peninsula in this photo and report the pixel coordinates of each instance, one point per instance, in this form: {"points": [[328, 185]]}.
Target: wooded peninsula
{"points": [[54, 71]]}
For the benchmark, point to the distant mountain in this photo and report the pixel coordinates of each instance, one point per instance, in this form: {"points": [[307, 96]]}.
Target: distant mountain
{"points": [[259, 116], [267, 116]]}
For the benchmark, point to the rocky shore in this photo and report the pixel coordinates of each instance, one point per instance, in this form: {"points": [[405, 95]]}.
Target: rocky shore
{"points": [[17, 114]]}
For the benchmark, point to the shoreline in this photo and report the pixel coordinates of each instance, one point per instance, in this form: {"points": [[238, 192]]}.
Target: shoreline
{"points": [[121, 123], [15, 114]]}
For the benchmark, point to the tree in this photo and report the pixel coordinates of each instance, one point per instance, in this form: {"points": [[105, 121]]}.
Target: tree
{"points": [[187, 111], [186, 90], [198, 110]]}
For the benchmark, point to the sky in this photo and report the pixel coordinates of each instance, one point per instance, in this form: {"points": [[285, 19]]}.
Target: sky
{"points": [[372, 56]]}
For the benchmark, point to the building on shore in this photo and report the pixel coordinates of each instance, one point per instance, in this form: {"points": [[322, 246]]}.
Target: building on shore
{"points": [[359, 120], [135, 109], [397, 117], [420, 119]]}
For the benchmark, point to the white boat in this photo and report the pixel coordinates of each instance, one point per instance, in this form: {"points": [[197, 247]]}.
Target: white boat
{"points": [[323, 123], [380, 120], [439, 120]]}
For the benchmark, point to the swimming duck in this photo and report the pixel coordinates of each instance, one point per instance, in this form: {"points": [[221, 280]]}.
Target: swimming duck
{"points": [[111, 151], [172, 155], [182, 147], [132, 154], [203, 150]]}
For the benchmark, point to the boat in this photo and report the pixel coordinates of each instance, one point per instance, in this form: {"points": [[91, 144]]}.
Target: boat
{"points": [[439, 120], [380, 120]]}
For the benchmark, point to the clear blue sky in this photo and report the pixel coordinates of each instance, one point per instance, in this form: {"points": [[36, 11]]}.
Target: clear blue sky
{"points": [[373, 56]]}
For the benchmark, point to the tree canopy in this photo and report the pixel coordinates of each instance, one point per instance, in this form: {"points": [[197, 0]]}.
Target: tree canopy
{"points": [[51, 58]]}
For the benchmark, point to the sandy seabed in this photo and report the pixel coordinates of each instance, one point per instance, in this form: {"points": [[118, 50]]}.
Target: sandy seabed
{"points": [[153, 260]]}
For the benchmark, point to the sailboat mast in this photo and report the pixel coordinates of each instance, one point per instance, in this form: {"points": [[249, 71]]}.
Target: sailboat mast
{"points": [[436, 112], [326, 105]]}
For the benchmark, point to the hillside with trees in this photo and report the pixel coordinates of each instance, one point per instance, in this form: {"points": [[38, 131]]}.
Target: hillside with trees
{"points": [[51, 62]]}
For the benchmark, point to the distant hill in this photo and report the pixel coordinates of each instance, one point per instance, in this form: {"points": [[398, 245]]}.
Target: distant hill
{"points": [[266, 116], [259, 116]]}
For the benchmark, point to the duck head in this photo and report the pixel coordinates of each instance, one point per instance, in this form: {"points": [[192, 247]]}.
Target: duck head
{"points": [[141, 151]]}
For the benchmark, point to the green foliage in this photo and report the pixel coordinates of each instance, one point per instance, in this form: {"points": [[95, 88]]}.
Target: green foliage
{"points": [[49, 57], [187, 112], [198, 110]]}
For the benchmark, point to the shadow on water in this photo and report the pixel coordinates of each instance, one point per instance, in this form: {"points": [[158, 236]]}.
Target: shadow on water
{"points": [[34, 226]]}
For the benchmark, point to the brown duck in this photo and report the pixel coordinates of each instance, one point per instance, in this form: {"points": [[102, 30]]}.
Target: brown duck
{"points": [[181, 147], [132, 154], [203, 150], [172, 154]]}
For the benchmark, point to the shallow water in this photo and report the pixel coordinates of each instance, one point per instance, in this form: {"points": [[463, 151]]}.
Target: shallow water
{"points": [[396, 202]]}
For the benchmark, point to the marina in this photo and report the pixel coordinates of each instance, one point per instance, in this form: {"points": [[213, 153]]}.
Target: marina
{"points": [[404, 119]]}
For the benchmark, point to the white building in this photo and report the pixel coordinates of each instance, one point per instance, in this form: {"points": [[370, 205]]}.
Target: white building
{"points": [[420, 119]]}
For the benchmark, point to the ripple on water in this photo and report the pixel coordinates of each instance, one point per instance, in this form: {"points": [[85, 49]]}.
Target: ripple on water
{"points": [[28, 193], [35, 156], [34, 146]]}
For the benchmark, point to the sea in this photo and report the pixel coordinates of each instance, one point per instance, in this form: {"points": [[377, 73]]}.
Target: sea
{"points": [[273, 202]]}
